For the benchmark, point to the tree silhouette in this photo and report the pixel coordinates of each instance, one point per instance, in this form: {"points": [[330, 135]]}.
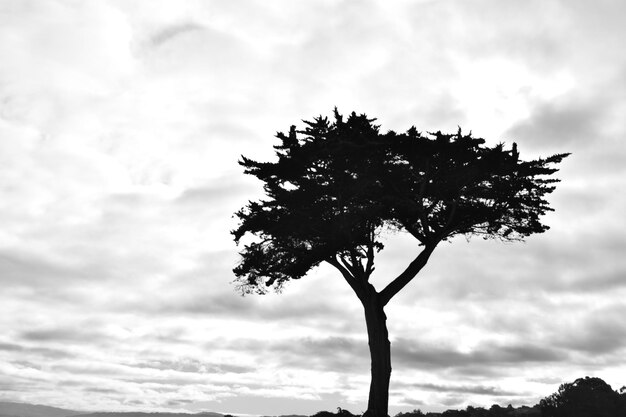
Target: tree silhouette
{"points": [[585, 397], [336, 186]]}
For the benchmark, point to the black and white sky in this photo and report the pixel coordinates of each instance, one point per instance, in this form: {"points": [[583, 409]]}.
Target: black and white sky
{"points": [[121, 123]]}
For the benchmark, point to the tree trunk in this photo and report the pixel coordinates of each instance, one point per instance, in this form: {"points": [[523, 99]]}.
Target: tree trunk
{"points": [[380, 353]]}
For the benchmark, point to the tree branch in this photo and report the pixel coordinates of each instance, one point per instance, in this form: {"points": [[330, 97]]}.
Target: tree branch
{"points": [[345, 264], [350, 279], [357, 266], [446, 229], [424, 221], [413, 230], [369, 268], [409, 273]]}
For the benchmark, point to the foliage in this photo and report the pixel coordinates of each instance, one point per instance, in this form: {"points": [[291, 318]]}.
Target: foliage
{"points": [[337, 185], [414, 413], [340, 413], [455, 413], [585, 397]]}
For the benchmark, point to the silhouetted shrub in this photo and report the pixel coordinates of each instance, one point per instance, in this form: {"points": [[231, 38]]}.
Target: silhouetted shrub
{"points": [[414, 413], [476, 411], [340, 412], [585, 397], [455, 413], [622, 402], [525, 411], [494, 411], [323, 414]]}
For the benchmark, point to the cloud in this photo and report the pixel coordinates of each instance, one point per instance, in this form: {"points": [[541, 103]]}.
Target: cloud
{"points": [[412, 354], [332, 354], [167, 34], [601, 332], [280, 404], [194, 366], [61, 335], [11, 347], [465, 389], [84, 50], [23, 268], [38, 352], [195, 48], [96, 390], [335, 355], [562, 124], [581, 125], [224, 189]]}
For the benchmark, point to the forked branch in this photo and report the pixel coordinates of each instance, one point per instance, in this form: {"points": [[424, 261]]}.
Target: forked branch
{"points": [[405, 277], [349, 277]]}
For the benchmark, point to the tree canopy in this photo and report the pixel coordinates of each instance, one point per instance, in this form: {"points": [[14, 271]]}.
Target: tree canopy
{"points": [[585, 397], [336, 185]]}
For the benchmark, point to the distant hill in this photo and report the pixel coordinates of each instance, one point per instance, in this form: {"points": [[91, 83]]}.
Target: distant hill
{"points": [[12, 409], [9, 409], [137, 414]]}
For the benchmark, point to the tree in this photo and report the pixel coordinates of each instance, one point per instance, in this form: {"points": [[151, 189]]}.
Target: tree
{"points": [[585, 397], [336, 186]]}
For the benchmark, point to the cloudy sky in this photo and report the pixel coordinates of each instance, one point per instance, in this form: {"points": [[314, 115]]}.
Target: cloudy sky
{"points": [[121, 123]]}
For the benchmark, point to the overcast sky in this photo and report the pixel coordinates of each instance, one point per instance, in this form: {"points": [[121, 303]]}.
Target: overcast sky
{"points": [[121, 123]]}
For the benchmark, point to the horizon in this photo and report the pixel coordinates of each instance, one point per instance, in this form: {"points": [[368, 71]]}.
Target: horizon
{"points": [[87, 412], [77, 413], [121, 124], [585, 394]]}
